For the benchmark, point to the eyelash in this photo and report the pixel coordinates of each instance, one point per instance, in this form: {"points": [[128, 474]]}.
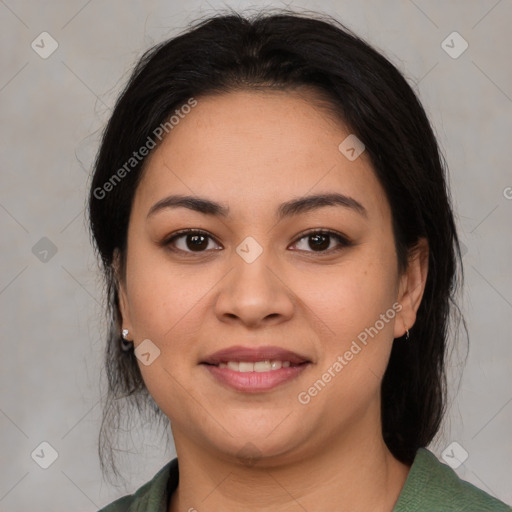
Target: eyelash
{"points": [[343, 240]]}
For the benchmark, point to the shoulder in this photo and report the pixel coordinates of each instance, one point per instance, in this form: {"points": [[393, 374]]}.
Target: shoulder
{"points": [[434, 486], [150, 497]]}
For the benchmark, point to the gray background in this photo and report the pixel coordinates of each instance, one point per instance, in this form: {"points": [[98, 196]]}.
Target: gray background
{"points": [[50, 304]]}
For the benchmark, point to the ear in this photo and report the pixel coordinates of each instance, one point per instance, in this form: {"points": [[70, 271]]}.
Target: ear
{"points": [[412, 287], [121, 292]]}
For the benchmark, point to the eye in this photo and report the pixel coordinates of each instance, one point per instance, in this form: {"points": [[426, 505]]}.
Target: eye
{"points": [[320, 241], [195, 240], [189, 240]]}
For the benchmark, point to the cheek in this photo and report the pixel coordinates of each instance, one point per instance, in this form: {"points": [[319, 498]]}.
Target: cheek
{"points": [[166, 303], [354, 295], [162, 296], [356, 304]]}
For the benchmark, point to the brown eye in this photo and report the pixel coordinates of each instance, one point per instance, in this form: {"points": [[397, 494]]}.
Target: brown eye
{"points": [[197, 241], [320, 241], [190, 241]]}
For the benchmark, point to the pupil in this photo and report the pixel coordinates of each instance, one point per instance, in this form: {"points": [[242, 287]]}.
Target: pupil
{"points": [[196, 242], [318, 243]]}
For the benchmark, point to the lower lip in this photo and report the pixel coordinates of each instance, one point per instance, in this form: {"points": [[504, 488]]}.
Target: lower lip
{"points": [[255, 381]]}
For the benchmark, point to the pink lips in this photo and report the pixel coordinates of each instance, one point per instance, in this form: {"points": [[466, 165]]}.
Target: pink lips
{"points": [[255, 381]]}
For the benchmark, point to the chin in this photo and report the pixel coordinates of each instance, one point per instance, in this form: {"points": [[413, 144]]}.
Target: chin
{"points": [[256, 448]]}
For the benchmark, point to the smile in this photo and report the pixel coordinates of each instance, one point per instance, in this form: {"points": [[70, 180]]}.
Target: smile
{"points": [[257, 366], [255, 369]]}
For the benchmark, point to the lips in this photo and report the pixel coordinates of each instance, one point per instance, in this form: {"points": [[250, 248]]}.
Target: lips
{"points": [[255, 370], [255, 354]]}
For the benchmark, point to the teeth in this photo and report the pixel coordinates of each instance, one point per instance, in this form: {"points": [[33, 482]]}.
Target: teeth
{"points": [[258, 366], [262, 366], [245, 367], [275, 365]]}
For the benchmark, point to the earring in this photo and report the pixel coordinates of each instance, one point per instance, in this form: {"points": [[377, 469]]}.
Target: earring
{"points": [[406, 334], [126, 345]]}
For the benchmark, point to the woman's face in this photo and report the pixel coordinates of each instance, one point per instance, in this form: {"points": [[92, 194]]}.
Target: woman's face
{"points": [[263, 276]]}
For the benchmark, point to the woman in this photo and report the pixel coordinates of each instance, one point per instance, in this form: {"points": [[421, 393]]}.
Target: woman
{"points": [[270, 207]]}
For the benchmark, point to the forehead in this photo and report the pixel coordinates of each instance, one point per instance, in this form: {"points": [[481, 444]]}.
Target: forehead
{"points": [[249, 148]]}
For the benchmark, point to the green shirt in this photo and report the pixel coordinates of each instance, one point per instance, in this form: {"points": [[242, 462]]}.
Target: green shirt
{"points": [[431, 486]]}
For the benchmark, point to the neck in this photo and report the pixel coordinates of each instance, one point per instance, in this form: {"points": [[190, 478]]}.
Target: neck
{"points": [[355, 469]]}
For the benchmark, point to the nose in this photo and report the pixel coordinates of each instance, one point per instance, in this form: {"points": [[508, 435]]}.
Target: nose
{"points": [[254, 294]]}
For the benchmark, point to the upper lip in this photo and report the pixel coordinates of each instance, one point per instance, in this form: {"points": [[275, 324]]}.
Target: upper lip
{"points": [[253, 354]]}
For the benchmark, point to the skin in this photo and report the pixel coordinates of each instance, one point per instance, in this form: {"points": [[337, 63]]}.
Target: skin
{"points": [[252, 151]]}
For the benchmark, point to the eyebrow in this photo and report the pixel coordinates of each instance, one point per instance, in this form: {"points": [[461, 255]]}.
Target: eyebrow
{"points": [[287, 209]]}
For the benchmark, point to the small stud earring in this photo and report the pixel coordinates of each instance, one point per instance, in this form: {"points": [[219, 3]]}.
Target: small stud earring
{"points": [[126, 345]]}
